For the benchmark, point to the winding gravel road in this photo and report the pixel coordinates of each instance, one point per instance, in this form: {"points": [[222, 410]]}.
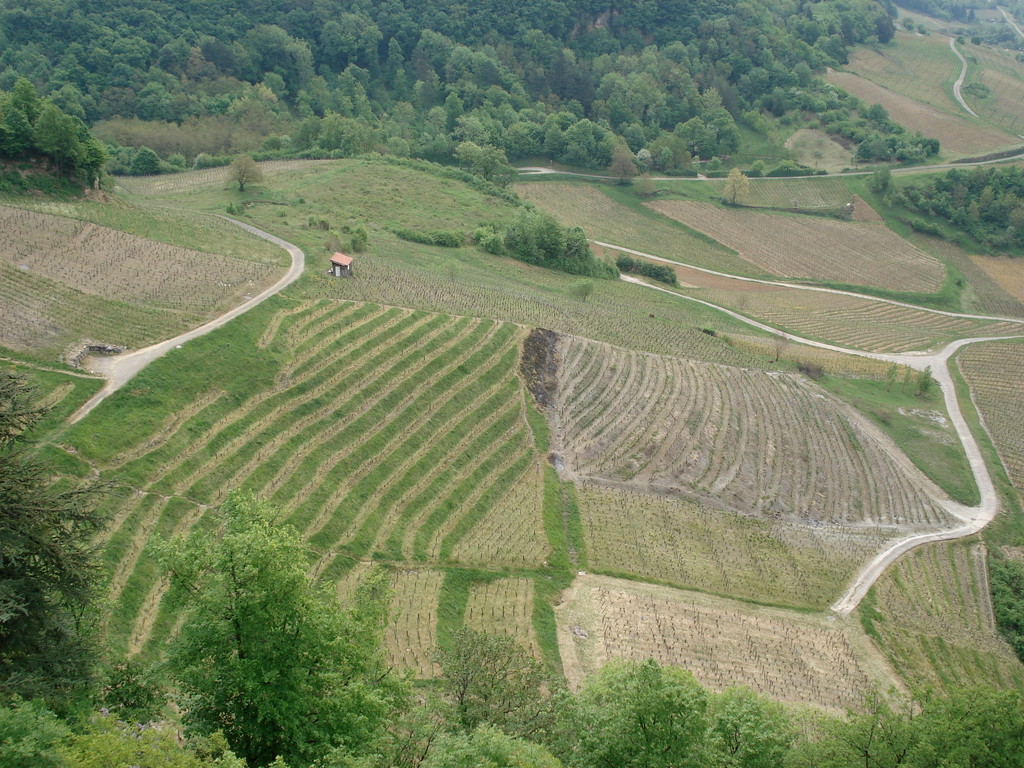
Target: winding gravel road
{"points": [[960, 80], [120, 369], [973, 518]]}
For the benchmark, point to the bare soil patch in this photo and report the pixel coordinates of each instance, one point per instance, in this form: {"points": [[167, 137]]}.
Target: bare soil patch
{"points": [[818, 248], [785, 655]]}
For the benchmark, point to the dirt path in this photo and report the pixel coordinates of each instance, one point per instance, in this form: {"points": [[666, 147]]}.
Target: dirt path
{"points": [[960, 80], [120, 369], [974, 518], [1011, 22]]}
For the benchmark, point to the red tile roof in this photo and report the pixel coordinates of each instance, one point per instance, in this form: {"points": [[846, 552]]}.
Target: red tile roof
{"points": [[342, 259]]}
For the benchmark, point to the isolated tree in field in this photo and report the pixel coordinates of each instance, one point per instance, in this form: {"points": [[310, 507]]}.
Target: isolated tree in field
{"points": [[623, 165], [925, 382], [737, 187], [266, 657], [47, 568], [583, 290], [244, 170], [644, 187]]}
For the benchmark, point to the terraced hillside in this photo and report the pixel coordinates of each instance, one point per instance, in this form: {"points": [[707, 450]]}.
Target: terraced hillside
{"points": [[754, 442], [385, 433]]}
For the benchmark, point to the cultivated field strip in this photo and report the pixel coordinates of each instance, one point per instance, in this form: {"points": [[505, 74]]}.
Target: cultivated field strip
{"points": [[680, 542], [936, 619], [504, 606], [511, 534], [411, 637], [122, 267], [784, 655], [754, 442], [826, 192], [991, 281], [582, 205], [855, 253], [386, 432], [995, 373], [848, 320], [47, 317], [1004, 77]]}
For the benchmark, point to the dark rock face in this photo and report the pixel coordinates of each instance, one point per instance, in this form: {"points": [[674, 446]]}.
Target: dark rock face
{"points": [[539, 365]]}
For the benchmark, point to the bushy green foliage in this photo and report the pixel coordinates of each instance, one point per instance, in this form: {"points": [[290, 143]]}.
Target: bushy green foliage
{"points": [[264, 655], [1007, 580], [30, 126], [47, 568], [986, 203], [660, 272], [536, 238], [30, 735], [446, 238]]}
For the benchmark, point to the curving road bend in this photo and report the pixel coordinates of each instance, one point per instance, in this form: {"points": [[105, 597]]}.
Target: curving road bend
{"points": [[960, 80], [974, 518], [120, 369]]}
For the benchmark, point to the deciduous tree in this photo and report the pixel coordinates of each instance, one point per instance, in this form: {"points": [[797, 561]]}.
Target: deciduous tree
{"points": [[264, 655], [244, 170], [737, 187]]}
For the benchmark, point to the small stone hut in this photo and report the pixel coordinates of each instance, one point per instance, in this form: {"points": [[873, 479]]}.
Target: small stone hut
{"points": [[341, 265]]}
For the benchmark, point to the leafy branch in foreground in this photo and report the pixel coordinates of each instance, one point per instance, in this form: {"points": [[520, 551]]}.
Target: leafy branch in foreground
{"points": [[267, 657], [47, 569]]}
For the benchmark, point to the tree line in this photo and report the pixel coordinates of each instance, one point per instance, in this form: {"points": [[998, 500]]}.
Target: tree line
{"points": [[563, 79], [32, 127]]}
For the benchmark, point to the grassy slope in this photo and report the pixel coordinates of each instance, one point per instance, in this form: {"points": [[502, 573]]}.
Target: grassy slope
{"points": [[460, 281]]}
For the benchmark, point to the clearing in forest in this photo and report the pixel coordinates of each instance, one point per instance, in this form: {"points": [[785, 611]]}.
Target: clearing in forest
{"points": [[932, 612], [63, 280], [995, 373], [819, 150], [762, 443], [785, 655], [817, 248], [913, 80]]}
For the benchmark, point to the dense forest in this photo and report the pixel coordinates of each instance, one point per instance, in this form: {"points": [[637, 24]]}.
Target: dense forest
{"points": [[986, 203], [541, 78]]}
